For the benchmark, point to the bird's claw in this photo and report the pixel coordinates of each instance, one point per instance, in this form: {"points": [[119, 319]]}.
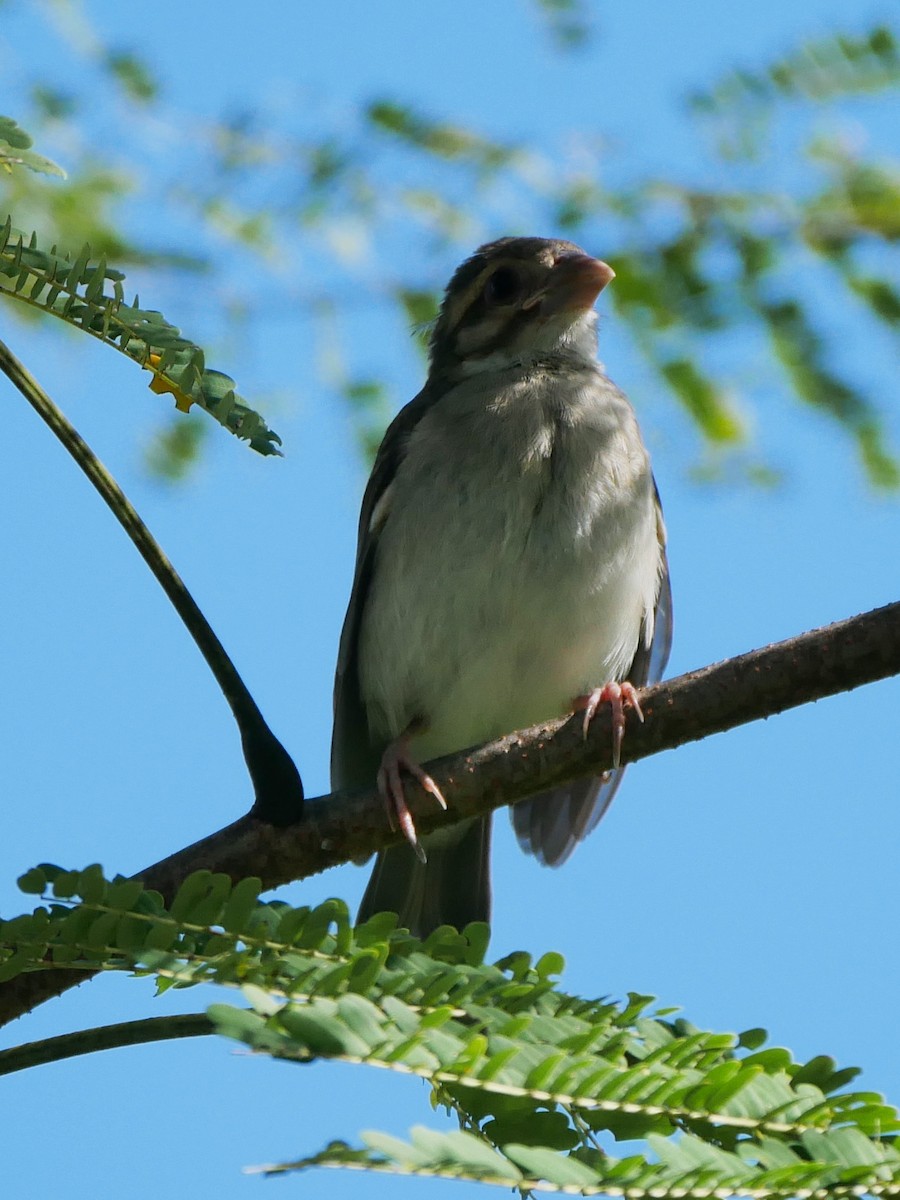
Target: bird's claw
{"points": [[618, 696], [396, 758]]}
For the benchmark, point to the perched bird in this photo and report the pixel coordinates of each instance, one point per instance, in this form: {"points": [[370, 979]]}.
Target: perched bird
{"points": [[511, 567]]}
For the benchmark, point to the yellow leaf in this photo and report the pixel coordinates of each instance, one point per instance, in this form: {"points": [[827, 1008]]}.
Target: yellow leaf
{"points": [[161, 385]]}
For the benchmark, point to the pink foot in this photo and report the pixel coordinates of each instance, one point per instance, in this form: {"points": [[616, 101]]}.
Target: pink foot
{"points": [[390, 784], [618, 696]]}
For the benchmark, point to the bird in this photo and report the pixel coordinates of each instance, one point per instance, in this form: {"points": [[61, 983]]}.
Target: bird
{"points": [[511, 567]]}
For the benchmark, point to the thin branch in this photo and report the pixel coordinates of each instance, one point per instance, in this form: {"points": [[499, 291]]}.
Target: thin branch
{"points": [[276, 781], [104, 1037], [345, 826]]}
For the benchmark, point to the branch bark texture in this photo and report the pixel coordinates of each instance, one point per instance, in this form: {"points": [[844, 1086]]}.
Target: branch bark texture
{"points": [[344, 826]]}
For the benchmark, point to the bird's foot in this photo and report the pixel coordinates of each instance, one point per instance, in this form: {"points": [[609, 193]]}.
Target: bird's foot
{"points": [[397, 758], [618, 696]]}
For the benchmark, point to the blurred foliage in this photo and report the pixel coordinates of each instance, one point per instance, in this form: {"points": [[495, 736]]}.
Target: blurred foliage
{"points": [[133, 75], [174, 449], [439, 138], [821, 70], [779, 220], [15, 151], [569, 21]]}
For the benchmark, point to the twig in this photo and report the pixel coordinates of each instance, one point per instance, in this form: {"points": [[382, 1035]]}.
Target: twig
{"points": [[276, 781], [104, 1037]]}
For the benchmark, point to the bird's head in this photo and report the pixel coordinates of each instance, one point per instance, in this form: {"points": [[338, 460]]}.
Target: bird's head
{"points": [[518, 299]]}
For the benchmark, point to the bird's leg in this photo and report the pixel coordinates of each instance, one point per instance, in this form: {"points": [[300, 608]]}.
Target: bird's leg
{"points": [[396, 758], [618, 696]]}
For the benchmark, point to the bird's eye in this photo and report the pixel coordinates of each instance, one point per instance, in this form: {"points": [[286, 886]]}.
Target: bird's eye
{"points": [[503, 286]]}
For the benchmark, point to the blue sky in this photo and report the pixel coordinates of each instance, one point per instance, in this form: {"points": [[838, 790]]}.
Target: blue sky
{"points": [[750, 879]]}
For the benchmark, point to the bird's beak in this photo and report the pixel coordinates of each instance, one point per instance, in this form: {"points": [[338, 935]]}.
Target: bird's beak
{"points": [[576, 280]]}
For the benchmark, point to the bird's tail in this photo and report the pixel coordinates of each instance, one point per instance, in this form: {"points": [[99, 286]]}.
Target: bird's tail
{"points": [[452, 888]]}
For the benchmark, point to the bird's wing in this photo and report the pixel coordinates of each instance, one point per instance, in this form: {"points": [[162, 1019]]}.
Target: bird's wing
{"points": [[550, 825], [354, 759]]}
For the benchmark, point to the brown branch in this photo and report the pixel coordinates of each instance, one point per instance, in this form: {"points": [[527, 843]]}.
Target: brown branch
{"points": [[345, 826]]}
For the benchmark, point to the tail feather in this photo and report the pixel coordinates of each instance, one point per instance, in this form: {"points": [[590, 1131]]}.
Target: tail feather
{"points": [[452, 888], [551, 825]]}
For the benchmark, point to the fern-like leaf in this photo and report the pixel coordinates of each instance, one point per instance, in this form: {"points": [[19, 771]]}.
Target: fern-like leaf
{"points": [[89, 295], [544, 1083]]}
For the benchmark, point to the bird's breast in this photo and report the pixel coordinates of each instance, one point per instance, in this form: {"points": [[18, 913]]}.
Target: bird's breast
{"points": [[517, 554]]}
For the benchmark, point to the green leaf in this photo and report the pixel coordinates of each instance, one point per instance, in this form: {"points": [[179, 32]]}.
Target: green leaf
{"points": [[15, 151], [317, 1029], [133, 75], [191, 893], [241, 904], [542, 1129], [709, 407], [539, 1162], [441, 139], [122, 895], [13, 134], [33, 882], [752, 1039], [92, 887], [457, 1152], [65, 884]]}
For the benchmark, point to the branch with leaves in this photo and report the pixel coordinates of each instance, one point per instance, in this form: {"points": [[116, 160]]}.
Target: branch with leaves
{"points": [[544, 1083], [90, 296], [342, 827]]}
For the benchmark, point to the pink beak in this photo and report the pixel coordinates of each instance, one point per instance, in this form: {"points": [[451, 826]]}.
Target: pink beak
{"points": [[575, 283]]}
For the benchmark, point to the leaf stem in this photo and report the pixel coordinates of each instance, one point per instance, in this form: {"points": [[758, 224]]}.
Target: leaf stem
{"points": [[276, 781], [104, 1037]]}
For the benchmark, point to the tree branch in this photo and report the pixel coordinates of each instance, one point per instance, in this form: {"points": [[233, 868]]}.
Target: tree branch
{"points": [[105, 1037], [343, 826]]}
